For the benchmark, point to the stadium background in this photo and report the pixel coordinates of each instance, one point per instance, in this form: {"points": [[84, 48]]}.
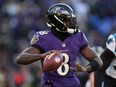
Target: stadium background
{"points": [[20, 19]]}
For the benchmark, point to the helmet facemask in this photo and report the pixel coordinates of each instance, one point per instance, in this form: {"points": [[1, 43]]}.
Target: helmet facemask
{"points": [[62, 20]]}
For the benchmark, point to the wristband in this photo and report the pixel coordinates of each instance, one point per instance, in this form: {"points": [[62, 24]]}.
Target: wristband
{"points": [[92, 66]]}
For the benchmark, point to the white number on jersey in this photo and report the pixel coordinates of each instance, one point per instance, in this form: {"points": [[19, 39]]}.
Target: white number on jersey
{"points": [[64, 68]]}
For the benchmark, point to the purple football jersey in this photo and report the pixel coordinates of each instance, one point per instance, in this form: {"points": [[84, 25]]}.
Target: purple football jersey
{"points": [[63, 76]]}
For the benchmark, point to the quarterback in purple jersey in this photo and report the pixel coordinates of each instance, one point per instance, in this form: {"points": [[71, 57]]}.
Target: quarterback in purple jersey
{"points": [[64, 36]]}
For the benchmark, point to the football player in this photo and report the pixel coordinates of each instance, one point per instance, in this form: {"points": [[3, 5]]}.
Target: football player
{"points": [[64, 35], [109, 67]]}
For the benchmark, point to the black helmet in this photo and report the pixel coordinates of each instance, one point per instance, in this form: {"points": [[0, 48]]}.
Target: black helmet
{"points": [[61, 17]]}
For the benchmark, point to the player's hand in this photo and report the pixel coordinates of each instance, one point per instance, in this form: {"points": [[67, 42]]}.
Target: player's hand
{"points": [[53, 51], [79, 68], [48, 53]]}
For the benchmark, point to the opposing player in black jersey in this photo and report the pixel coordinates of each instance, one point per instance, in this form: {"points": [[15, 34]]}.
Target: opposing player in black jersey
{"points": [[106, 76]]}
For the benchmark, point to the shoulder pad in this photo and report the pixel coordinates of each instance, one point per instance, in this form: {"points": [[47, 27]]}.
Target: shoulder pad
{"points": [[37, 36], [111, 43]]}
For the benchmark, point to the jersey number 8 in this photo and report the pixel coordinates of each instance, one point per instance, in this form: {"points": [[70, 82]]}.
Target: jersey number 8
{"points": [[64, 68]]}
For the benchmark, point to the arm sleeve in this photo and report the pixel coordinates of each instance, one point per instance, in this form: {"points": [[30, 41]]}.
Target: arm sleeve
{"points": [[107, 57]]}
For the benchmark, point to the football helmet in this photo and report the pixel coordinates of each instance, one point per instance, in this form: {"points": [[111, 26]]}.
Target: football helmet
{"points": [[61, 17]]}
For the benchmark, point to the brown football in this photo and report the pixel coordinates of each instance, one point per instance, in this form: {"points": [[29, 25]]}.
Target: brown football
{"points": [[52, 62]]}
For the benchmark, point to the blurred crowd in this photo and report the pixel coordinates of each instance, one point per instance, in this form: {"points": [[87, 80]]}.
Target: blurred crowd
{"points": [[20, 19]]}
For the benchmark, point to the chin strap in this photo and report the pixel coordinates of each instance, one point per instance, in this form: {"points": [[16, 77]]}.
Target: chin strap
{"points": [[71, 31]]}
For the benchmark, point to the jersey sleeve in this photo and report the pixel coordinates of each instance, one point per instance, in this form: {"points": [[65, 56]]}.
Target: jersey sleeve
{"points": [[111, 43], [37, 40], [83, 41]]}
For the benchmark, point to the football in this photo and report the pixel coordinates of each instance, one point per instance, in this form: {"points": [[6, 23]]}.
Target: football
{"points": [[52, 62]]}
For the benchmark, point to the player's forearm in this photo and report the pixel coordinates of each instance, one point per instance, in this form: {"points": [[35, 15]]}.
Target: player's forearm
{"points": [[107, 57], [94, 65], [26, 58]]}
